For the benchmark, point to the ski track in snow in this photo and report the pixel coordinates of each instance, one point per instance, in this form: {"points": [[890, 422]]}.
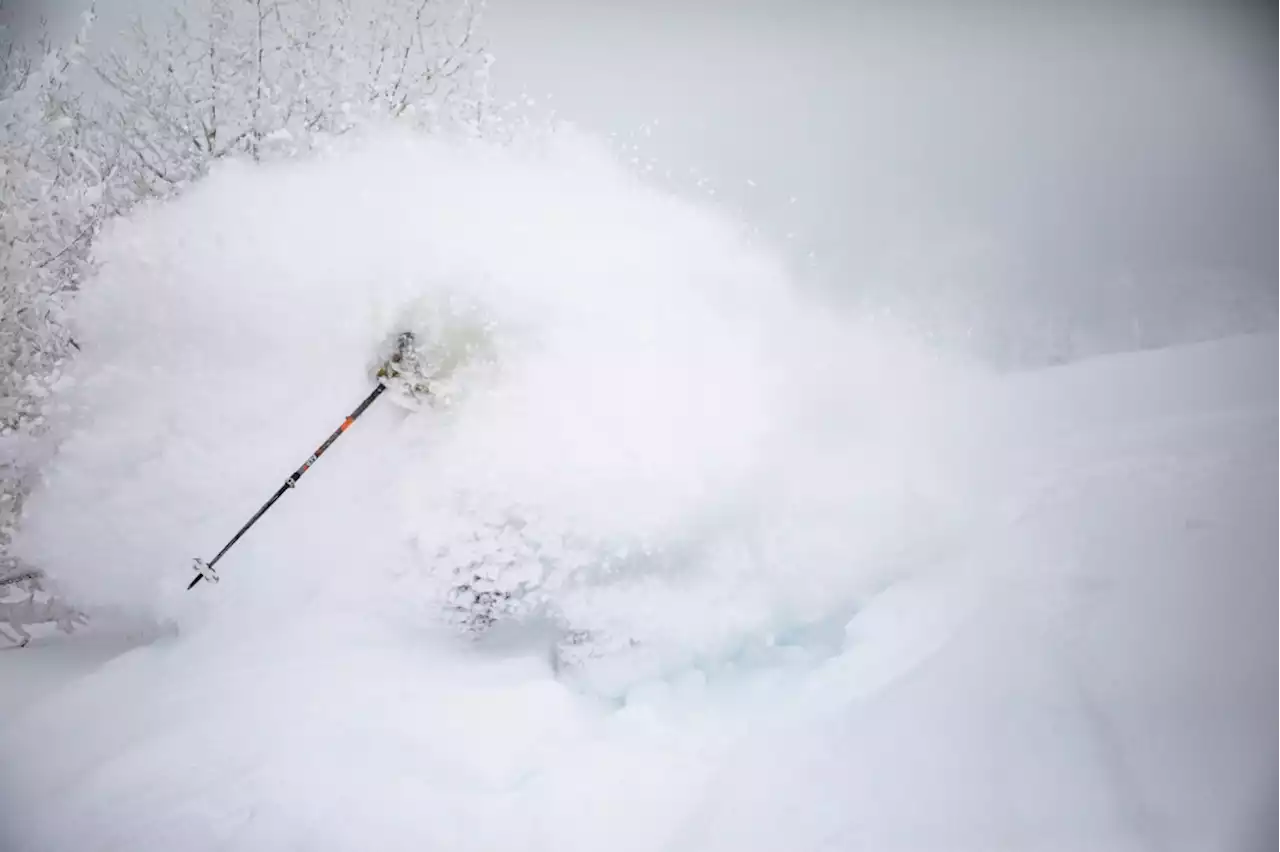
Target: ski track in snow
{"points": [[840, 593]]}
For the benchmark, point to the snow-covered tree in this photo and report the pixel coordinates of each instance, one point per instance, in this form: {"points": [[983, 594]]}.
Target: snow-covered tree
{"points": [[269, 77]]}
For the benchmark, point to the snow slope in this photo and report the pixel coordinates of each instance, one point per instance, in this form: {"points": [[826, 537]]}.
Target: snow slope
{"points": [[837, 592], [1114, 686]]}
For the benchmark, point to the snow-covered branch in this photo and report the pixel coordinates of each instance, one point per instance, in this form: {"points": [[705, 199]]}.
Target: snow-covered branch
{"points": [[18, 615]]}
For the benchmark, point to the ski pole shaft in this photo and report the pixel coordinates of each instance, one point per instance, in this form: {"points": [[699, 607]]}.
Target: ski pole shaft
{"points": [[290, 482]]}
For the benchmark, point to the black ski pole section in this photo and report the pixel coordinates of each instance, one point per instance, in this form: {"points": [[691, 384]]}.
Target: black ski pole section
{"points": [[291, 481]]}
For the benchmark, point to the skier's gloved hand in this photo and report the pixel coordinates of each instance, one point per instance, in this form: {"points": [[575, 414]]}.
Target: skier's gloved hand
{"points": [[401, 372]]}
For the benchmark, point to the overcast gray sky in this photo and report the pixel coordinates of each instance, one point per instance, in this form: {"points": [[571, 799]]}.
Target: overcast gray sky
{"points": [[1033, 149]]}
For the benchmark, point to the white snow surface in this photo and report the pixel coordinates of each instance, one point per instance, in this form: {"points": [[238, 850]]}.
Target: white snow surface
{"points": [[837, 591]]}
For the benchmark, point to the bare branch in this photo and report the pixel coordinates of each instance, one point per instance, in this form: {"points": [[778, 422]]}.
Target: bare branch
{"points": [[21, 575], [84, 232], [408, 47]]}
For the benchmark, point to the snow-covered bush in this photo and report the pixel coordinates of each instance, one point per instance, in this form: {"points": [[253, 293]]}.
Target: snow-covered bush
{"points": [[55, 170]]}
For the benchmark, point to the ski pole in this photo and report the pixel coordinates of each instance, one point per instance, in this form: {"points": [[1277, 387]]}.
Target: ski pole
{"points": [[205, 569]]}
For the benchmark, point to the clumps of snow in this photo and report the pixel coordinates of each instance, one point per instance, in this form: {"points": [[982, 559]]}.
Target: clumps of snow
{"points": [[641, 433]]}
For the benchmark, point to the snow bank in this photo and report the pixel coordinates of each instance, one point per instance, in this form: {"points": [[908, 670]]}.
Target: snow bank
{"points": [[647, 437]]}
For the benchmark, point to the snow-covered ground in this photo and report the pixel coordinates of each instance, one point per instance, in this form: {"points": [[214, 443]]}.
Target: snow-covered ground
{"points": [[837, 591]]}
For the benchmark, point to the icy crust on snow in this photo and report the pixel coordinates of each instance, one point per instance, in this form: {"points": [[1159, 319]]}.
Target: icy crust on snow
{"points": [[641, 435]]}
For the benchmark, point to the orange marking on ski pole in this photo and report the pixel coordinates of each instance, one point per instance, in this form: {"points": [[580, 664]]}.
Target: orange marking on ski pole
{"points": [[345, 424]]}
